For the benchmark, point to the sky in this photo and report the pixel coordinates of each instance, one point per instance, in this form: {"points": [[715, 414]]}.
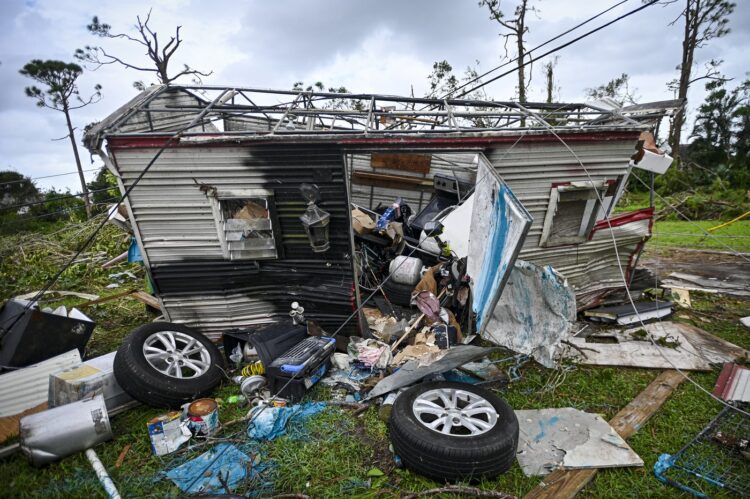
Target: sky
{"points": [[386, 47]]}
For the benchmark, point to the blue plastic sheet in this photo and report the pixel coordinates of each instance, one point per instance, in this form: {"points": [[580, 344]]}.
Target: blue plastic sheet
{"points": [[202, 473], [272, 421]]}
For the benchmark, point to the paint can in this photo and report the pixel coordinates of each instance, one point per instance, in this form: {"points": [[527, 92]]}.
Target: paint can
{"points": [[204, 417]]}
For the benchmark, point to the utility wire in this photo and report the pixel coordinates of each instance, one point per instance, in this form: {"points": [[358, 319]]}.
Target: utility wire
{"points": [[559, 47], [64, 210], [52, 280], [67, 196], [46, 176], [622, 271], [478, 78]]}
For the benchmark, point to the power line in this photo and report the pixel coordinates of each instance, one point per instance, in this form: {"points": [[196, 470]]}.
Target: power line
{"points": [[559, 47], [67, 196], [46, 176], [52, 280], [23, 218], [477, 78]]}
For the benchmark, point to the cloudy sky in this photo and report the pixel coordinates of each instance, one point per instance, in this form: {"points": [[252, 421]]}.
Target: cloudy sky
{"points": [[385, 47]]}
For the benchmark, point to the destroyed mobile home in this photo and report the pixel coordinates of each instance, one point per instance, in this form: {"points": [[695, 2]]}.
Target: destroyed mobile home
{"points": [[364, 241]]}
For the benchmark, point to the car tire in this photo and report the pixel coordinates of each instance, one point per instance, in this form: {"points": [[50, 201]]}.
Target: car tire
{"points": [[397, 293], [462, 453], [163, 364]]}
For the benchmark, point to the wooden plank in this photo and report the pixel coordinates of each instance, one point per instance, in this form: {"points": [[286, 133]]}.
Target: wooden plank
{"points": [[105, 299], [391, 181], [567, 483], [418, 163], [146, 298]]}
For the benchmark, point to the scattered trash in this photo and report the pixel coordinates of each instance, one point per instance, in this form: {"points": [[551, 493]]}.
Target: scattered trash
{"points": [[268, 423], [412, 371], [571, 439], [733, 384], [203, 417], [168, 432], [219, 470], [28, 388], [371, 353], [625, 315], [693, 282], [38, 335], [718, 457], [745, 321], [453, 431], [59, 432], [93, 377], [102, 475], [659, 345]]}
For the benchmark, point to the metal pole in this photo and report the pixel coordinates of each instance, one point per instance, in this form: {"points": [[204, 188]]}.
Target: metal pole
{"points": [[651, 192], [102, 475]]}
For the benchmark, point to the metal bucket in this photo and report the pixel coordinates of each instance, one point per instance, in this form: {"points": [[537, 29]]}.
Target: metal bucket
{"points": [[204, 417], [55, 433]]}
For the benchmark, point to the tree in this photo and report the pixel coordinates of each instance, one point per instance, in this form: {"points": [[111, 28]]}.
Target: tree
{"points": [[61, 94], [704, 21], [104, 187], [160, 55], [516, 28], [16, 188], [549, 77], [617, 88]]}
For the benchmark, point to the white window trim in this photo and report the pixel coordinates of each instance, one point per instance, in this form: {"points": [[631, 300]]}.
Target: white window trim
{"points": [[217, 196], [587, 221]]}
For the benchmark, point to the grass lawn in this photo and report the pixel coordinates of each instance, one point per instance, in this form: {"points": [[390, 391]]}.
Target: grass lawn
{"points": [[735, 237], [335, 454]]}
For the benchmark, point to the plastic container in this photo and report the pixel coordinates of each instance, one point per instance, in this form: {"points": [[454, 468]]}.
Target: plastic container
{"points": [[406, 270]]}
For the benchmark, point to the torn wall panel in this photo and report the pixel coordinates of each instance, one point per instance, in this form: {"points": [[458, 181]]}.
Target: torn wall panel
{"points": [[534, 313], [568, 438]]}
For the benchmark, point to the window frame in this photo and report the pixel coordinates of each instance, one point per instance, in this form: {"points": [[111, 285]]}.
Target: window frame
{"points": [[218, 196], [588, 219]]}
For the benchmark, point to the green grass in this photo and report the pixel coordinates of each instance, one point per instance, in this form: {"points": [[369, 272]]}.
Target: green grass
{"points": [[337, 450], [735, 237]]}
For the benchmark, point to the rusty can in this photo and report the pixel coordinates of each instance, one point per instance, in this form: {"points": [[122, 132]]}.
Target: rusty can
{"points": [[204, 417], [279, 402]]}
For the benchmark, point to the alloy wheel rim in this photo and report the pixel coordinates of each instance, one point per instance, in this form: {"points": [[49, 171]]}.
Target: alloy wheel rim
{"points": [[176, 354], [455, 412]]}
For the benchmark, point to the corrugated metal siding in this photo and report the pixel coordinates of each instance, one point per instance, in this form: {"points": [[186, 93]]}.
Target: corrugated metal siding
{"points": [[457, 165], [531, 170], [176, 223], [166, 121], [28, 387]]}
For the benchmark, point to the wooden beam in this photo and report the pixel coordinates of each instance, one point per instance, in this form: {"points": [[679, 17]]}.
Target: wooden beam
{"points": [[146, 298], [567, 483], [419, 163]]}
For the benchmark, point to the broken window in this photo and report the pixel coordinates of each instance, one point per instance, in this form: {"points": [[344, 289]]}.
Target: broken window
{"points": [[246, 224], [571, 213]]}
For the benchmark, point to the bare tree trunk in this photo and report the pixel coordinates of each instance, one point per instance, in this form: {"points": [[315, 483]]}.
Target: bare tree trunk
{"points": [[686, 66], [520, 48], [84, 187]]}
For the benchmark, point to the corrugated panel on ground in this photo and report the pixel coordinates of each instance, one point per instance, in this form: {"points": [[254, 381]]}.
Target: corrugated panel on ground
{"points": [[196, 284], [455, 165]]}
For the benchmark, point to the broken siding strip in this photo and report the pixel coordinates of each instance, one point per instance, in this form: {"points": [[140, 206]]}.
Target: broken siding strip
{"points": [[562, 484]]}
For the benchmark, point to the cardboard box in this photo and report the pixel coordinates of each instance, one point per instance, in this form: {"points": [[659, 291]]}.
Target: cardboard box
{"points": [[361, 222]]}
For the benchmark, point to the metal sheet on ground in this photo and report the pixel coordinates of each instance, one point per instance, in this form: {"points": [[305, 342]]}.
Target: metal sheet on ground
{"points": [[411, 372], [568, 438], [633, 349]]}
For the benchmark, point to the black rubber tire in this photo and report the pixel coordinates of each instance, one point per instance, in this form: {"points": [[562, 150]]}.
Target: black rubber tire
{"points": [[146, 384], [397, 293], [450, 458]]}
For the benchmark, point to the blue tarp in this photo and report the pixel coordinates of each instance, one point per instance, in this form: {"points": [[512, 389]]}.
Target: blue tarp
{"points": [[272, 421], [202, 473]]}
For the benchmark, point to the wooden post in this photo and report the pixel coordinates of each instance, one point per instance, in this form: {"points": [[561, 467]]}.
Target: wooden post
{"points": [[567, 483]]}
